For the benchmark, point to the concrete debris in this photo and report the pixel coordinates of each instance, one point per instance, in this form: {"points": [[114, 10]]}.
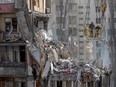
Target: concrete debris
{"points": [[46, 37], [52, 68], [46, 70], [34, 51], [53, 58], [54, 53]]}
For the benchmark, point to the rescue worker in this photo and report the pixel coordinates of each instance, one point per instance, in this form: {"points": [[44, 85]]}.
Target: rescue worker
{"points": [[91, 27], [97, 29], [103, 7]]}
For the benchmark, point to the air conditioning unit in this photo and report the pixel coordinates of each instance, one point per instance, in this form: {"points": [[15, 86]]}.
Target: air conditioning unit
{"points": [[48, 10]]}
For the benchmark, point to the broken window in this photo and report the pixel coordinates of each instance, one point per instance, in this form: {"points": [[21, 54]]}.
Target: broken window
{"points": [[72, 20], [60, 7], [22, 54], [19, 84], [98, 44], [45, 25], [10, 25], [81, 42], [97, 9], [15, 56], [36, 22], [12, 54], [14, 24], [80, 7], [59, 83], [60, 20], [73, 31], [80, 13], [68, 83], [72, 6], [3, 54], [9, 84], [2, 84], [98, 20], [23, 84], [6, 83], [65, 83], [16, 84]]}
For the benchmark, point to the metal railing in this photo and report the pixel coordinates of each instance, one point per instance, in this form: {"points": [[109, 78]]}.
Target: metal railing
{"points": [[14, 72], [13, 64], [6, 1]]}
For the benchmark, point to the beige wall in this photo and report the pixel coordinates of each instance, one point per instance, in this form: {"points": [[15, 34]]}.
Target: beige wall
{"points": [[37, 5]]}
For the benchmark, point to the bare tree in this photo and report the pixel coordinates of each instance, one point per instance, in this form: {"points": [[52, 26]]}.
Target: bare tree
{"points": [[63, 4]]}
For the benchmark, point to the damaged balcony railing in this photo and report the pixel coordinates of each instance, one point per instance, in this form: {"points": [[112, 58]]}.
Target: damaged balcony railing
{"points": [[64, 77], [13, 64], [15, 72], [15, 69]]}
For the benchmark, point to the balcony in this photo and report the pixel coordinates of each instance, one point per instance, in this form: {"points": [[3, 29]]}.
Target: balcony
{"points": [[14, 69], [13, 64], [12, 72], [12, 44]]}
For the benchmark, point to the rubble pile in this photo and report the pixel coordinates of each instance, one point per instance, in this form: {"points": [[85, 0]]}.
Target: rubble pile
{"points": [[55, 60]]}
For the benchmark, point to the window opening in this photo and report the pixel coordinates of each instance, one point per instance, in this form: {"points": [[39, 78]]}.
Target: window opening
{"points": [[59, 83], [22, 54]]}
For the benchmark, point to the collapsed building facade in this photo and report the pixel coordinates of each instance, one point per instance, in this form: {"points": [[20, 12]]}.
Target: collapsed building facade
{"points": [[30, 57], [14, 57]]}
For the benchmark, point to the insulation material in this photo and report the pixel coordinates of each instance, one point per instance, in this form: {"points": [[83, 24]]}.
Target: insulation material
{"points": [[65, 55], [42, 63], [47, 37], [55, 54], [46, 70], [39, 39]]}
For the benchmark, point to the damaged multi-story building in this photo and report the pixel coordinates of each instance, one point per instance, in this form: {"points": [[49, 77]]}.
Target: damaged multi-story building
{"points": [[29, 56], [15, 61]]}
